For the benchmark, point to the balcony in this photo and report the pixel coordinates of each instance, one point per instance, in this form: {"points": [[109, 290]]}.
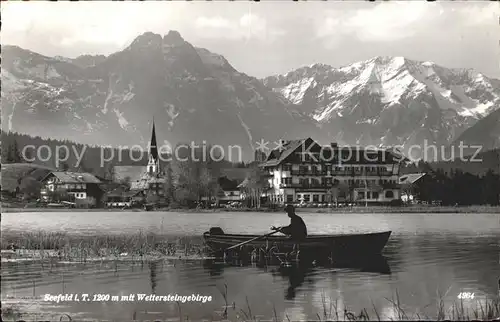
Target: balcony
{"points": [[358, 173], [320, 185], [309, 173]]}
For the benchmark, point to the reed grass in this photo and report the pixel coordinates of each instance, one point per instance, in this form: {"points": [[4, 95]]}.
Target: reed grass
{"points": [[331, 311], [43, 245], [489, 311]]}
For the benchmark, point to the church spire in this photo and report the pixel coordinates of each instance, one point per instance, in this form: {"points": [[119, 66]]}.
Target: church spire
{"points": [[153, 149], [153, 164]]}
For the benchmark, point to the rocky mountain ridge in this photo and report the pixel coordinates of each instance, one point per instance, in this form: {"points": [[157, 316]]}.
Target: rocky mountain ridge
{"points": [[197, 95], [193, 95], [386, 101]]}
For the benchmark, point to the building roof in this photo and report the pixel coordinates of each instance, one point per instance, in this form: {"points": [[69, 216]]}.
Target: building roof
{"points": [[333, 154], [145, 180], [74, 177], [244, 184], [122, 192], [15, 175], [410, 178], [279, 155], [133, 172]]}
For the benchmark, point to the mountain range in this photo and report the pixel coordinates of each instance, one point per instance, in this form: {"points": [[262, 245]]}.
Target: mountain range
{"points": [[196, 95], [387, 101]]}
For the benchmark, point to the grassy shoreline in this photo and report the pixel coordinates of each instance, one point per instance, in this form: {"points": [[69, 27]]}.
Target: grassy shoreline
{"points": [[61, 246], [356, 209]]}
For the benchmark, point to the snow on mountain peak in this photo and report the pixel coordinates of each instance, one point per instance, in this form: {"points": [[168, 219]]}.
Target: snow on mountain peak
{"points": [[414, 99]]}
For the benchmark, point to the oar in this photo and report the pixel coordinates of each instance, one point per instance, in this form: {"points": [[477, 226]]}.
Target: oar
{"points": [[251, 240]]}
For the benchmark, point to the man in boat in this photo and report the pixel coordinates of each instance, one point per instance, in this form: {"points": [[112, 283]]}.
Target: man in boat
{"points": [[297, 229]]}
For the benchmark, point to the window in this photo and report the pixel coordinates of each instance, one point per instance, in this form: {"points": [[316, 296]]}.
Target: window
{"points": [[323, 198], [368, 195], [299, 197], [289, 198], [375, 195], [389, 194], [361, 195], [307, 197], [315, 198], [287, 180], [287, 167]]}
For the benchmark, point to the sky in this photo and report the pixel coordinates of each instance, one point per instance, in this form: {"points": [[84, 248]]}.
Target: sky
{"points": [[269, 37]]}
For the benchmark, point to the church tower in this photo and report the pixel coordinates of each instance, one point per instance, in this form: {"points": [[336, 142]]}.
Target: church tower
{"points": [[154, 162]]}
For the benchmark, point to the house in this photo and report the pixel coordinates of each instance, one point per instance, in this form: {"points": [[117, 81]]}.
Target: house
{"points": [[79, 187], [22, 180], [408, 182], [229, 191], [305, 172], [123, 197]]}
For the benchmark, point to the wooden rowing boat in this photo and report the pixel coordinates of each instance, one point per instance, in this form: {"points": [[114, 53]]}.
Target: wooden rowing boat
{"points": [[339, 245]]}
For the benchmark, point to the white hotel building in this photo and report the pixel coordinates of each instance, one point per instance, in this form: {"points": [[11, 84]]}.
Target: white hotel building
{"points": [[306, 172]]}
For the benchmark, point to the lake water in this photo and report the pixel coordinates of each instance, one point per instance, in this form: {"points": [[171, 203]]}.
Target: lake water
{"points": [[426, 255]]}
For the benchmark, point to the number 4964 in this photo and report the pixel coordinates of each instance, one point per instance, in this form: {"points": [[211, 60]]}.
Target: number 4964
{"points": [[466, 296]]}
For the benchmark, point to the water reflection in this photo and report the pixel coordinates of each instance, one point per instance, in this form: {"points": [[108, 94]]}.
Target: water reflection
{"points": [[153, 270], [297, 274]]}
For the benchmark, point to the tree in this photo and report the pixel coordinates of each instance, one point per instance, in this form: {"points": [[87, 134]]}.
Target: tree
{"points": [[254, 185], [345, 191], [194, 177], [333, 194], [184, 178], [169, 187], [109, 171], [30, 187], [13, 155], [491, 188]]}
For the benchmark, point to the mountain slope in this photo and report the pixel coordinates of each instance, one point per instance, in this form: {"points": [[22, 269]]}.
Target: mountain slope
{"points": [[485, 133], [193, 95], [390, 100]]}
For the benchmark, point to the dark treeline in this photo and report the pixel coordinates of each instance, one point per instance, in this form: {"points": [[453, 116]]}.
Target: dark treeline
{"points": [[447, 185], [21, 148], [460, 188]]}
